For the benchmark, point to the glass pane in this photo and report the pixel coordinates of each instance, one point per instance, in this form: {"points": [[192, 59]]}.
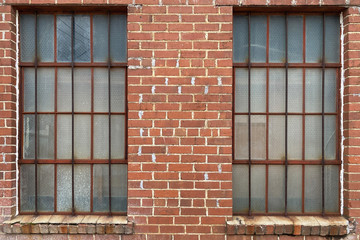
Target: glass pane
{"points": [[295, 39], [82, 187], [294, 137], [63, 38], [45, 136], [101, 136], [119, 187], [241, 39], [29, 89], [82, 136], [27, 187], [331, 188], [330, 137], [27, 41], [258, 137], [258, 38], [101, 188], [45, 187], [241, 137], [64, 136], [100, 38], [312, 188], [118, 38], [118, 136], [45, 38], [330, 90], [294, 201], [29, 137], [276, 188], [82, 89], [313, 90], [241, 90], [258, 189], [277, 39], [258, 90], [46, 89], [63, 192], [277, 90], [240, 179], [64, 89], [101, 90], [313, 138], [332, 36], [117, 85], [82, 38], [277, 137], [295, 90], [314, 39]]}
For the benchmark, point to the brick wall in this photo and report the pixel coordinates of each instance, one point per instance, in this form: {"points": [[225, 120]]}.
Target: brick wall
{"points": [[180, 111]]}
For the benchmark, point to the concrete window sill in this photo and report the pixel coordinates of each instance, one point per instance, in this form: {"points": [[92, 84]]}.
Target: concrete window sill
{"points": [[62, 224], [294, 225]]}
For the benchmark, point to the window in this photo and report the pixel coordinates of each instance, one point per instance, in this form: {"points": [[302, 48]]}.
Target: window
{"points": [[73, 113], [286, 113]]}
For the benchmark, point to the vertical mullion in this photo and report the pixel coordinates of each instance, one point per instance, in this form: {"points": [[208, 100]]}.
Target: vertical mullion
{"points": [[72, 114], [36, 118], [322, 121], [109, 113], [267, 116], [286, 109], [249, 109], [303, 118], [92, 116]]}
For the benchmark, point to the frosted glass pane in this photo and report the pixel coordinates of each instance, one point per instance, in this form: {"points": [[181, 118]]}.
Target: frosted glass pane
{"points": [[295, 39], [258, 137], [258, 90], [241, 137], [29, 136], [119, 187], [117, 85], [45, 38], [27, 187], [295, 90], [313, 138], [118, 38], [258, 38], [294, 201], [82, 187], [241, 39], [330, 137], [63, 38], [332, 188], [46, 89], [64, 136], [277, 137], [64, 89], [101, 188], [63, 192], [101, 137], [276, 189], [277, 90], [118, 136], [330, 90], [101, 90], [313, 188], [82, 89], [332, 36], [82, 136], [277, 39], [294, 137], [82, 38], [29, 89], [314, 39], [313, 90], [241, 90], [45, 136], [27, 37], [100, 38], [258, 188], [240, 179], [45, 187]]}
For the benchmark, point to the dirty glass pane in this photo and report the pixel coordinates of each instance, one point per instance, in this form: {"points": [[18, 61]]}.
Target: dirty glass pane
{"points": [[295, 39], [332, 39], [332, 188], [313, 138], [313, 188], [118, 38], [63, 38], [314, 38], [101, 188], [277, 90], [330, 137], [101, 90], [258, 137], [241, 39], [45, 89], [27, 37], [294, 200], [82, 136], [119, 187], [276, 188], [241, 90], [101, 134], [258, 90], [64, 89], [294, 137], [240, 179], [277, 39], [258, 188], [45, 187], [258, 33], [241, 137], [45, 38], [276, 137], [330, 90], [63, 192], [64, 136], [313, 90], [82, 187], [29, 136], [118, 136], [100, 38], [295, 90], [45, 136], [82, 38], [117, 86], [27, 187], [29, 90], [82, 89]]}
